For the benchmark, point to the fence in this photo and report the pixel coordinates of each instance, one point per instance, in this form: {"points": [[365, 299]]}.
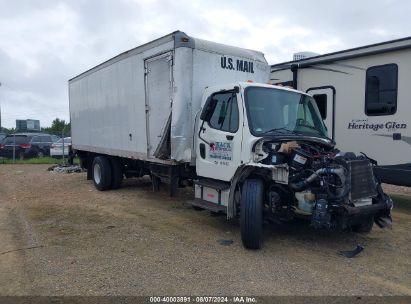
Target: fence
{"points": [[36, 147]]}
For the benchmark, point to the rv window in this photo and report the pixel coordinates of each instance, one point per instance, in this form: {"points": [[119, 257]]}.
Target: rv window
{"points": [[381, 90], [321, 101], [225, 115]]}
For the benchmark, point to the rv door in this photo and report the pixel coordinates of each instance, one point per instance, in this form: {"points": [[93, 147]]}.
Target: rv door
{"points": [[325, 99]]}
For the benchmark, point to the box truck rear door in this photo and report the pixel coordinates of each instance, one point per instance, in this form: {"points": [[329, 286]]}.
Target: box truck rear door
{"points": [[158, 86]]}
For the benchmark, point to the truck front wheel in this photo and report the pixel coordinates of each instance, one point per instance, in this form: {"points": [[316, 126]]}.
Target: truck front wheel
{"points": [[251, 213], [101, 173]]}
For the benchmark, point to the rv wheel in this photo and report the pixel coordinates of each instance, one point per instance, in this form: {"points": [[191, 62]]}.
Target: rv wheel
{"points": [[251, 213], [101, 173]]}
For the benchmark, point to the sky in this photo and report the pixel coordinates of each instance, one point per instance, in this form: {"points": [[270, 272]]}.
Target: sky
{"points": [[44, 43]]}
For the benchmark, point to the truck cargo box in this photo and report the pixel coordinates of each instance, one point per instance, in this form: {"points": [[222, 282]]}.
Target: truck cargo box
{"points": [[142, 103]]}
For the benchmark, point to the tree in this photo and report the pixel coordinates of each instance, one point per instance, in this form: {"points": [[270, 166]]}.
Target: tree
{"points": [[7, 131], [57, 127]]}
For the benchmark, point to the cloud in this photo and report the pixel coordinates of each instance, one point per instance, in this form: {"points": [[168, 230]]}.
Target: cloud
{"points": [[44, 43]]}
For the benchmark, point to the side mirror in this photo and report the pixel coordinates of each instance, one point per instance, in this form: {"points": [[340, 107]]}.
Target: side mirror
{"points": [[208, 109]]}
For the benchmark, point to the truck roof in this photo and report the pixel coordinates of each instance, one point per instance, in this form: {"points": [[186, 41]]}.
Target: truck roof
{"points": [[264, 85], [181, 39], [245, 84]]}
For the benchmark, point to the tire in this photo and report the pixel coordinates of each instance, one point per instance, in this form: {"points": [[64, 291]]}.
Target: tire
{"points": [[40, 153], [101, 171], [116, 173], [365, 226], [251, 213]]}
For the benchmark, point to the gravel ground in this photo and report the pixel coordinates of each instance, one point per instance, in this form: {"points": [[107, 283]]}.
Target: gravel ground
{"points": [[397, 190], [60, 236]]}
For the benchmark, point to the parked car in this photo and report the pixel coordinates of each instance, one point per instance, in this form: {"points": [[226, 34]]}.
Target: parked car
{"points": [[26, 145], [55, 138], [56, 149]]}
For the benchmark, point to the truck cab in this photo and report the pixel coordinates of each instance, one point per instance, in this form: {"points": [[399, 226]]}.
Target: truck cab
{"points": [[263, 154]]}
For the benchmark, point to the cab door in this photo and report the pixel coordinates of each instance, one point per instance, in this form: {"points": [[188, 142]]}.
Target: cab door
{"points": [[219, 138], [325, 98]]}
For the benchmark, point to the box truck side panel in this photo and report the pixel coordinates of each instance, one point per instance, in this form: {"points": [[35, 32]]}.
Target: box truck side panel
{"points": [[210, 67], [128, 108], [107, 106], [182, 117]]}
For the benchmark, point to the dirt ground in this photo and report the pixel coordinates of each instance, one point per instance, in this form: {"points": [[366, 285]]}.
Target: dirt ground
{"points": [[60, 236]]}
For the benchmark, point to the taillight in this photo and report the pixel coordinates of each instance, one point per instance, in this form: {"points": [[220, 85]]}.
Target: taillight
{"points": [[25, 146]]}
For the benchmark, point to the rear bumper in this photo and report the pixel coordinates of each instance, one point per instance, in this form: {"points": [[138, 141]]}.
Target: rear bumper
{"points": [[381, 211], [366, 210], [58, 153]]}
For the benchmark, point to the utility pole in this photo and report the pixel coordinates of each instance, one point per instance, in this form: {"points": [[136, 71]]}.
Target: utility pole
{"points": [[0, 112], [62, 139]]}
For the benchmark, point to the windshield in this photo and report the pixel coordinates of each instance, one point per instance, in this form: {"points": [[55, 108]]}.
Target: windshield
{"points": [[272, 110], [19, 139]]}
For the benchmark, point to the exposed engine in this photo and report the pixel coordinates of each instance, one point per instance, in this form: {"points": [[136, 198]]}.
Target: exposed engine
{"points": [[333, 189]]}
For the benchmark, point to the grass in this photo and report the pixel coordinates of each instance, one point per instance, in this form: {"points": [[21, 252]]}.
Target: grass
{"points": [[36, 161]]}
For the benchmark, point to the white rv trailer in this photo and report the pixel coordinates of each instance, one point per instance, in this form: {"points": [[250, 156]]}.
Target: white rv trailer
{"points": [[364, 98]]}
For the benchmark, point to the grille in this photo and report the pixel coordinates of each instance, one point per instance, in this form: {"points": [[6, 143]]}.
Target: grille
{"points": [[362, 179]]}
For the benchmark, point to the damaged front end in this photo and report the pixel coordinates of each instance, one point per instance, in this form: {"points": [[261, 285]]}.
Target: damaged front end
{"points": [[308, 179]]}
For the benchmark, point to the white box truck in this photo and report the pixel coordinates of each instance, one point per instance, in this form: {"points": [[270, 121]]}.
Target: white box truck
{"points": [[187, 111]]}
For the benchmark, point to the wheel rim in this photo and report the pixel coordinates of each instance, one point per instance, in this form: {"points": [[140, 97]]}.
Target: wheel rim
{"points": [[97, 173], [40, 154]]}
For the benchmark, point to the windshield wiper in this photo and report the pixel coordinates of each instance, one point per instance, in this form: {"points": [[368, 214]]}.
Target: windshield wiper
{"points": [[309, 126], [279, 130], [319, 131]]}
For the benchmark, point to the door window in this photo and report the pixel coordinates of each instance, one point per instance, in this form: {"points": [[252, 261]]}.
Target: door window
{"points": [[225, 115], [36, 139], [46, 139], [9, 140], [321, 101]]}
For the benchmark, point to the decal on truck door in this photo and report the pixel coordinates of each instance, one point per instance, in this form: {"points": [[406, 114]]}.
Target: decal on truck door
{"points": [[221, 151]]}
